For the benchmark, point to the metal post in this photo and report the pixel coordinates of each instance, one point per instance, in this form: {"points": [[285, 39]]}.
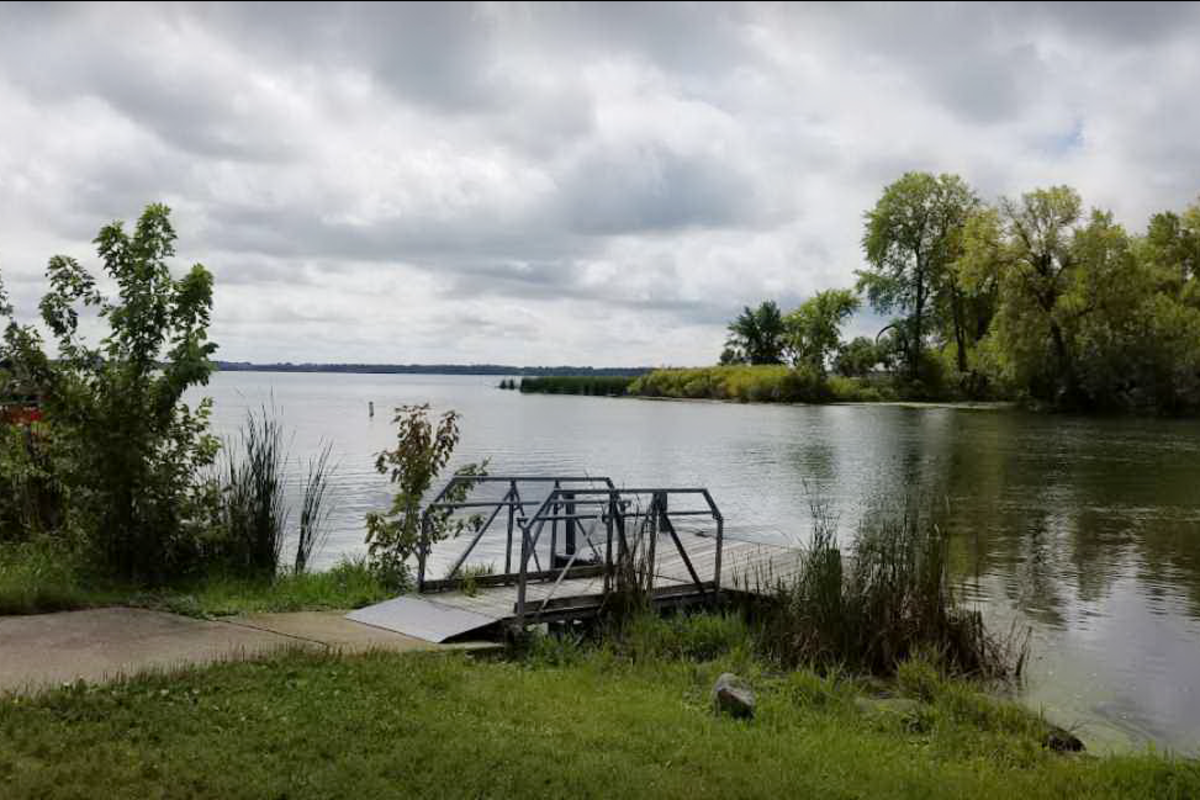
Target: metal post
{"points": [[569, 534], [608, 536], [521, 575], [720, 538], [554, 526], [656, 499], [516, 498]]}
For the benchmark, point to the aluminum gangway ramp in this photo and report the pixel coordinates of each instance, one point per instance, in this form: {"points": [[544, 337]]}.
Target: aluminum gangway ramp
{"points": [[422, 618]]}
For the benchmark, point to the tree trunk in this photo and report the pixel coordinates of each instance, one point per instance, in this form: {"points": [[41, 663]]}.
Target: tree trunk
{"points": [[1066, 371], [960, 335], [916, 334]]}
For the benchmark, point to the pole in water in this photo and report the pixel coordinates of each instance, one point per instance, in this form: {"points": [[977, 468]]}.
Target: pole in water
{"points": [[371, 407]]}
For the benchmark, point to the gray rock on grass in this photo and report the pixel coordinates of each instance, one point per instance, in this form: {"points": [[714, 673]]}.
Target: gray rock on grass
{"points": [[733, 696]]}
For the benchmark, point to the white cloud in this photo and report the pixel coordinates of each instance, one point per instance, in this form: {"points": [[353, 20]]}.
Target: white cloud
{"points": [[561, 184]]}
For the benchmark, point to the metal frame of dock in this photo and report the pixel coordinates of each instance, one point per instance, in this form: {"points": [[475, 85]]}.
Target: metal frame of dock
{"points": [[570, 544]]}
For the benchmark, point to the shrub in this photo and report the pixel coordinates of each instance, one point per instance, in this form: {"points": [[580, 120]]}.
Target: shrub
{"points": [[421, 453], [33, 501], [129, 450], [772, 383]]}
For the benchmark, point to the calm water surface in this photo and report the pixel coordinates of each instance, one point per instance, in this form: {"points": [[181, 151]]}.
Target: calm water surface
{"points": [[1088, 530]]}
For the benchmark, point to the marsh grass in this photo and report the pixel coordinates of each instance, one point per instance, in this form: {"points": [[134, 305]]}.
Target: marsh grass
{"points": [[315, 509], [886, 603], [599, 385], [768, 383], [253, 511], [43, 575]]}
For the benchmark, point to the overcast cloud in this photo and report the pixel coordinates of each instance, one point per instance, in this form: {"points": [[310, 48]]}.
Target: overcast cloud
{"points": [[577, 184]]}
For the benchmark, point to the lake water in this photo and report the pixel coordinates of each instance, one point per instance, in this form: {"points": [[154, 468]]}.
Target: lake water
{"points": [[1086, 529]]}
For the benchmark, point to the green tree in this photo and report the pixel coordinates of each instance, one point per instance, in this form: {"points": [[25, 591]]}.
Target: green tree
{"points": [[422, 452], [1171, 248], [814, 328], [759, 334], [130, 449], [856, 358], [730, 355], [1070, 290], [912, 237]]}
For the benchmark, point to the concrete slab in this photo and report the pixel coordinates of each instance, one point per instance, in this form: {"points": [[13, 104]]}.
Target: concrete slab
{"points": [[100, 644]]}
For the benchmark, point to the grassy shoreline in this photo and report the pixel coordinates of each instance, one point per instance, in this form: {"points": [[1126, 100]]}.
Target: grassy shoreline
{"points": [[741, 383], [559, 720], [37, 579]]}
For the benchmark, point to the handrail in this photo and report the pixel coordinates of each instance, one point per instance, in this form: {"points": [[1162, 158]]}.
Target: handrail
{"points": [[573, 500], [658, 515], [511, 500]]}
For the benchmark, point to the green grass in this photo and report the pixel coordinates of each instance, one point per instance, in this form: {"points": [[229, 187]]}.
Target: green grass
{"points": [[39, 578], [592, 723], [757, 384]]}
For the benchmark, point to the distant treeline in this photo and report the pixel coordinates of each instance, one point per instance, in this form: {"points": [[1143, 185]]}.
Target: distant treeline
{"points": [[431, 369], [601, 385]]}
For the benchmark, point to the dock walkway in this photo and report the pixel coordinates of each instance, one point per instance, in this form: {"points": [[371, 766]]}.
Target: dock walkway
{"points": [[586, 539]]}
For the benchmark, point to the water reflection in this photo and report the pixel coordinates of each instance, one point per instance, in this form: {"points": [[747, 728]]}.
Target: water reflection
{"points": [[1089, 529]]}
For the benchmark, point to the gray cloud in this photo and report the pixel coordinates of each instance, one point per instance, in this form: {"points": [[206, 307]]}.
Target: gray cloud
{"points": [[603, 183]]}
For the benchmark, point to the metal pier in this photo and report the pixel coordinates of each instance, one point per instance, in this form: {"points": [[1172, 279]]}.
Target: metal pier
{"points": [[584, 540]]}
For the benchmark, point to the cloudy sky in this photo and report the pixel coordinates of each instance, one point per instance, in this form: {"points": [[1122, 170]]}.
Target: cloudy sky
{"points": [[585, 184]]}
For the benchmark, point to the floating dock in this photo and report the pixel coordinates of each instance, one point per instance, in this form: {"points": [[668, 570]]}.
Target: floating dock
{"points": [[569, 552]]}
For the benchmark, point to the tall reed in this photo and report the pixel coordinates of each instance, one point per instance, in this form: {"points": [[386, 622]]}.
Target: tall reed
{"points": [[888, 601], [253, 511], [314, 510], [599, 385]]}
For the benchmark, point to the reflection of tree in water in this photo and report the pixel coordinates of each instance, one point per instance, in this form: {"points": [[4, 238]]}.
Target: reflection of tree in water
{"points": [[1064, 509], [1169, 556], [1056, 509]]}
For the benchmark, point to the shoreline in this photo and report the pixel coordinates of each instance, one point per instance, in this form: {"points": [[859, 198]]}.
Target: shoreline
{"points": [[954, 405]]}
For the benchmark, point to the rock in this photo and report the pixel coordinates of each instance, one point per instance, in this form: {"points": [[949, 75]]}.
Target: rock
{"points": [[732, 696], [1061, 740]]}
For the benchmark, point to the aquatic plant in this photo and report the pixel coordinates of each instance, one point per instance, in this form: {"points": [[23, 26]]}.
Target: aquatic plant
{"points": [[253, 514], [314, 511], [885, 602], [598, 385]]}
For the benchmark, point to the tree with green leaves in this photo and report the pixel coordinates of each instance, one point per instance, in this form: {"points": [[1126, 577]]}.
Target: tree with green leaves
{"points": [[730, 356], [856, 358], [422, 451], [912, 237], [128, 446], [1071, 289], [758, 335], [814, 328]]}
